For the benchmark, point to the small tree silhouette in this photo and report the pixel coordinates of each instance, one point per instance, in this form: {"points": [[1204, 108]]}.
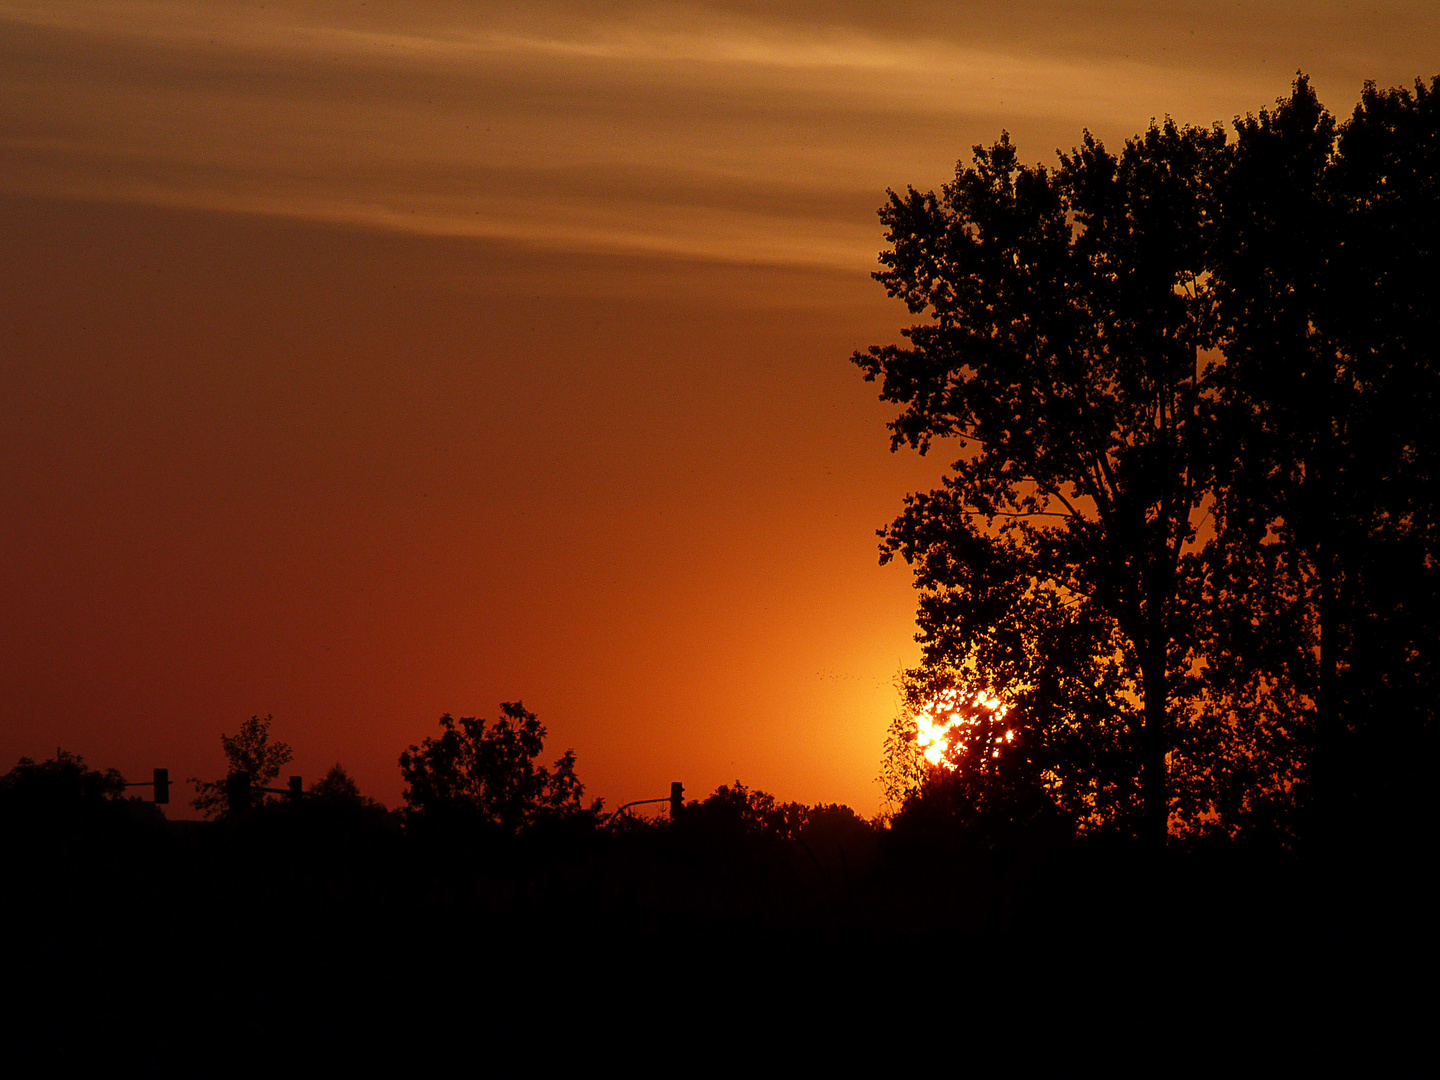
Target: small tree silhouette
{"points": [[488, 770], [249, 751], [59, 797], [338, 786]]}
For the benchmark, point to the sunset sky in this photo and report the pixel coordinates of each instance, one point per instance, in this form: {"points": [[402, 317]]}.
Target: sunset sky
{"points": [[365, 361]]}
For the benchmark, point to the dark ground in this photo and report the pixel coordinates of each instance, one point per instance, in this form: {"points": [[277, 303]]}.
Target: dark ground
{"points": [[327, 938]]}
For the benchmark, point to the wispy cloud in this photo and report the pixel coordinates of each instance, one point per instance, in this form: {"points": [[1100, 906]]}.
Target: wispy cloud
{"points": [[720, 134]]}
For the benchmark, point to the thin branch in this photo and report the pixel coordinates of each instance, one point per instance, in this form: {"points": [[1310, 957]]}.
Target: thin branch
{"points": [[1009, 514]]}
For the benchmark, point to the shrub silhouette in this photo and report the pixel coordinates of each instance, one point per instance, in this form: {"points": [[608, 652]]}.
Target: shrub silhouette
{"points": [[838, 838], [62, 798], [338, 786]]}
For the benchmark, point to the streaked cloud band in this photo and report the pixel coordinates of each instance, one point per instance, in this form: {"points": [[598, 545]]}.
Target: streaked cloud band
{"points": [[716, 134]]}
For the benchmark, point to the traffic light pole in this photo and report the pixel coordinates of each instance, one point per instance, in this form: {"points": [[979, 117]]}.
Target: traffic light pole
{"points": [[238, 791], [161, 784], [676, 799]]}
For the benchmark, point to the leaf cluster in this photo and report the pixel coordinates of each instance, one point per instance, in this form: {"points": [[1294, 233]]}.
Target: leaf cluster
{"points": [[485, 771], [248, 751]]}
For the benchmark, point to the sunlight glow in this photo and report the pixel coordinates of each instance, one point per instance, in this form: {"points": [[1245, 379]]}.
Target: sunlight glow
{"points": [[944, 727]]}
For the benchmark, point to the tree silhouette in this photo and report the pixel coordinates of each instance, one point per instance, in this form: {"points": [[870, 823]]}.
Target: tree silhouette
{"points": [[1191, 533], [734, 810], [486, 771], [249, 751], [63, 779], [337, 786], [61, 797], [1067, 318], [1324, 271]]}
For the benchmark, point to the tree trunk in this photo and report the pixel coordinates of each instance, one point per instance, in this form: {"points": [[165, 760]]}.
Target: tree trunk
{"points": [[1323, 762], [1154, 781]]}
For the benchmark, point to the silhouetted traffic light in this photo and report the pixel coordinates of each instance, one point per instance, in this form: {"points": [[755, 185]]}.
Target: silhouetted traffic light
{"points": [[677, 798], [162, 785], [296, 789], [237, 793]]}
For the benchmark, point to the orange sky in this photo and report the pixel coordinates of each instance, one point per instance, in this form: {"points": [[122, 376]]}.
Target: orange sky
{"points": [[365, 361]]}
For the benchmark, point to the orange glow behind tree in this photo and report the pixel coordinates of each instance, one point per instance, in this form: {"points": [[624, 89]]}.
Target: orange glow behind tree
{"points": [[958, 723]]}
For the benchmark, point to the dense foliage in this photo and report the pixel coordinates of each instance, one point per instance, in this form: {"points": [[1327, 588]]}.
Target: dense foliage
{"points": [[251, 752], [1191, 390], [486, 772]]}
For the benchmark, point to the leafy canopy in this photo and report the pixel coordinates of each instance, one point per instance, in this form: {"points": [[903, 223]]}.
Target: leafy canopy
{"points": [[1064, 353], [487, 770], [1326, 586], [1189, 535], [249, 751]]}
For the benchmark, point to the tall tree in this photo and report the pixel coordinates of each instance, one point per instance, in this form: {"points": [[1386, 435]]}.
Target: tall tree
{"points": [[1064, 354], [1386, 306], [1324, 276]]}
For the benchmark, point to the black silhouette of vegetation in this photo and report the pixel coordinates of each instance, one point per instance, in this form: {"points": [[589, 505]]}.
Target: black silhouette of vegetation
{"points": [[1066, 330], [1189, 539], [485, 773], [63, 802], [736, 810], [251, 753], [1326, 510], [1189, 534], [63, 782], [338, 787]]}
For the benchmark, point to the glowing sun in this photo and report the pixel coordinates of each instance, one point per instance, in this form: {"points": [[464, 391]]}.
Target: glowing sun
{"points": [[943, 729]]}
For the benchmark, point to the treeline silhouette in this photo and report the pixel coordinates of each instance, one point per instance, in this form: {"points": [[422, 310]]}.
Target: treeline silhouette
{"points": [[738, 931]]}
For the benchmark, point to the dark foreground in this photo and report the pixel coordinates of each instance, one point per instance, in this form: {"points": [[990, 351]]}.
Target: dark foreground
{"points": [[324, 938]]}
